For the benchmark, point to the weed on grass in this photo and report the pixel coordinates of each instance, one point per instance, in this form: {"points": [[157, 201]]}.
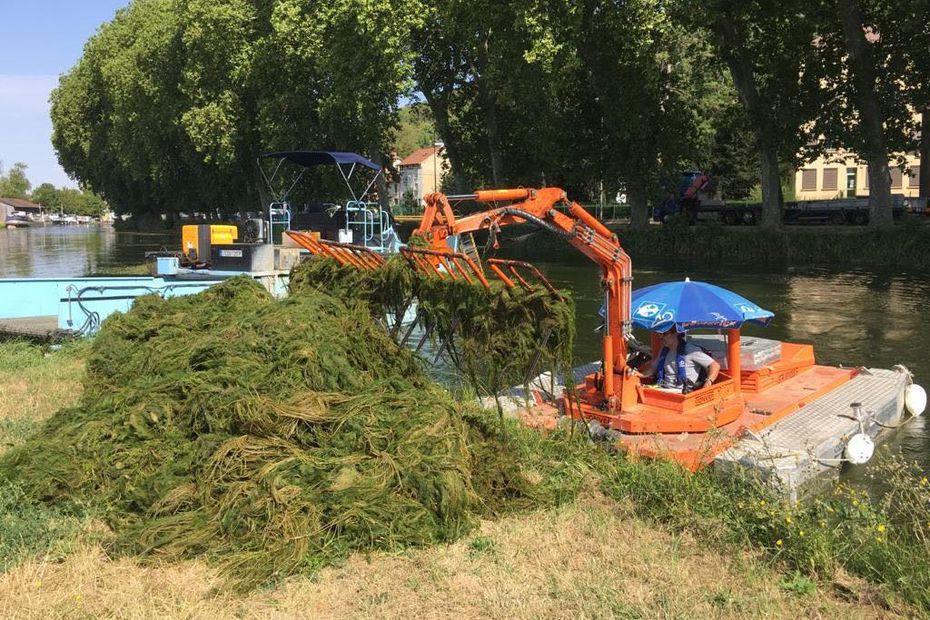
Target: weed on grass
{"points": [[481, 544], [29, 528], [799, 584]]}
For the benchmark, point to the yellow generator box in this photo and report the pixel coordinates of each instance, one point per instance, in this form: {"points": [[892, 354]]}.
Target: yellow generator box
{"points": [[196, 239]]}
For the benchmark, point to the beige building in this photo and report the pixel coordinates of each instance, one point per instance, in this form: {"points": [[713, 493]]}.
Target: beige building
{"points": [[421, 173], [841, 175]]}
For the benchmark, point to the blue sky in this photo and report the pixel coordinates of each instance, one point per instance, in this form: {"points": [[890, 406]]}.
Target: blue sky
{"points": [[41, 40]]}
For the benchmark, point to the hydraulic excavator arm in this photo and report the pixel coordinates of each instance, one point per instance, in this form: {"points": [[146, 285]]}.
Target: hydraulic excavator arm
{"points": [[576, 227]]}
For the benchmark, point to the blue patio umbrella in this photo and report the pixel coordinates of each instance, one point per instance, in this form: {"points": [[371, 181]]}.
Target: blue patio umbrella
{"points": [[690, 305]]}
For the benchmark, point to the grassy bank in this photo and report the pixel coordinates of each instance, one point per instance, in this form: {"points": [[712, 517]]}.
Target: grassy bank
{"points": [[641, 540], [34, 383], [906, 246]]}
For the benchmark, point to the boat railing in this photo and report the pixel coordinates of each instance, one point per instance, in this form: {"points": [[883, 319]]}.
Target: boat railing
{"points": [[370, 224]]}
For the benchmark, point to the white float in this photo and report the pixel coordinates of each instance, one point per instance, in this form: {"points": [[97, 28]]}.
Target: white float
{"points": [[859, 449], [915, 399]]}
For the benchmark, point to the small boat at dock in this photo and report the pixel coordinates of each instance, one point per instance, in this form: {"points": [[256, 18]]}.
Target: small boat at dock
{"points": [[18, 219]]}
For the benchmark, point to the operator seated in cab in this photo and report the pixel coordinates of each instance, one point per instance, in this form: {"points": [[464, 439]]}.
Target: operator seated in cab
{"points": [[680, 365]]}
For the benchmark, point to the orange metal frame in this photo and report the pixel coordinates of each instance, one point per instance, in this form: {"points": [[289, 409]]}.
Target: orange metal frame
{"points": [[615, 397], [617, 388], [444, 265], [513, 267], [344, 253]]}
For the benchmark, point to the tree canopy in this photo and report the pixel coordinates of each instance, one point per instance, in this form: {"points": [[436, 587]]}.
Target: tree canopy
{"points": [[172, 100], [14, 183]]}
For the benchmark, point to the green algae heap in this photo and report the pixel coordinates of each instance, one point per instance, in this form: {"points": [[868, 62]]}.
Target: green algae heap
{"points": [[495, 336], [271, 437]]}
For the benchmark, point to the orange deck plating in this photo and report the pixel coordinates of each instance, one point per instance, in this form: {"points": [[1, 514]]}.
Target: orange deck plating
{"points": [[708, 421]]}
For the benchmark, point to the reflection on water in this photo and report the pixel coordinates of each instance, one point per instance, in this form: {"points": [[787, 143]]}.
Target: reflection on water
{"points": [[853, 317], [73, 250]]}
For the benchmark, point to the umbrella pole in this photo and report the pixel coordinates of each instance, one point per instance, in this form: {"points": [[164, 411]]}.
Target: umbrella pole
{"points": [[733, 362], [655, 340]]}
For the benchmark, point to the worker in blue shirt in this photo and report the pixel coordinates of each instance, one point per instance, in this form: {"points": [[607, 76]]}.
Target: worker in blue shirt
{"points": [[680, 365]]}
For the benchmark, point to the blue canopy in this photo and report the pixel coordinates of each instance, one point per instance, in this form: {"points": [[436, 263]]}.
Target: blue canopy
{"points": [[308, 159], [690, 305]]}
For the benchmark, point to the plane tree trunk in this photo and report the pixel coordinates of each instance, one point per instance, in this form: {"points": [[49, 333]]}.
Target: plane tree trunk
{"points": [[862, 73], [744, 81], [639, 207]]}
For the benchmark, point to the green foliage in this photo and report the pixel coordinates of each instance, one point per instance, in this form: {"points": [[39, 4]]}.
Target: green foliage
{"points": [[799, 584], [47, 196], [173, 100], [415, 130], [897, 81], [13, 183], [734, 158], [409, 204], [481, 544]]}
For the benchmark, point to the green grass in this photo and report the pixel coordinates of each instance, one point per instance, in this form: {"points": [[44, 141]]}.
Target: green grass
{"points": [[29, 528], [884, 539], [26, 359]]}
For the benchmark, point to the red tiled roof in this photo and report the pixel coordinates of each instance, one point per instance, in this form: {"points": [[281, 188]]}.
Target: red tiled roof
{"points": [[418, 156], [19, 204]]}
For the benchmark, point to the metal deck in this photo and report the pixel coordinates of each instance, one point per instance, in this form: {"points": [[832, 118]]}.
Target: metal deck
{"points": [[808, 445], [40, 327], [795, 454]]}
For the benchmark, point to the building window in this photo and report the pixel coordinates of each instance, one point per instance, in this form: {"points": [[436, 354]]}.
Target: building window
{"points": [[914, 181], [852, 176], [829, 178], [895, 178], [809, 179]]}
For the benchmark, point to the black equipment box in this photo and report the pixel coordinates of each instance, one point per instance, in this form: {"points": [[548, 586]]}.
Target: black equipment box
{"points": [[250, 257]]}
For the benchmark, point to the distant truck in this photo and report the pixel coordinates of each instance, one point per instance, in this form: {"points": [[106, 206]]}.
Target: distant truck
{"points": [[699, 198]]}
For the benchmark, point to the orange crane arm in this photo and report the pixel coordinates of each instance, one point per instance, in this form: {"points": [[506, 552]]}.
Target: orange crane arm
{"points": [[575, 226]]}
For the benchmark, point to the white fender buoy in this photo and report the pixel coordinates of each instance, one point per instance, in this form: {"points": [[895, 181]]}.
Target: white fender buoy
{"points": [[915, 399], [859, 449]]}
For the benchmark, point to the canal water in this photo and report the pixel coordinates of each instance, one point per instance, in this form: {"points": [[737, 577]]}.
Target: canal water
{"points": [[74, 250], [853, 317]]}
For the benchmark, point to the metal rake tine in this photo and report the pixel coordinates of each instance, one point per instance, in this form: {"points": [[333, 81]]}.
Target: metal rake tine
{"points": [[413, 325], [442, 345], [398, 321], [537, 357], [426, 334]]}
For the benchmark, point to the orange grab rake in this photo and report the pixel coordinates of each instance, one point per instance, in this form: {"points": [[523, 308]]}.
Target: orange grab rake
{"points": [[444, 265], [498, 265], [343, 253]]}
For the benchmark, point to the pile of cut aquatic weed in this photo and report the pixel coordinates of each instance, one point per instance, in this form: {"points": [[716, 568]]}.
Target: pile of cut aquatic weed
{"points": [[387, 290], [494, 335], [272, 437]]}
